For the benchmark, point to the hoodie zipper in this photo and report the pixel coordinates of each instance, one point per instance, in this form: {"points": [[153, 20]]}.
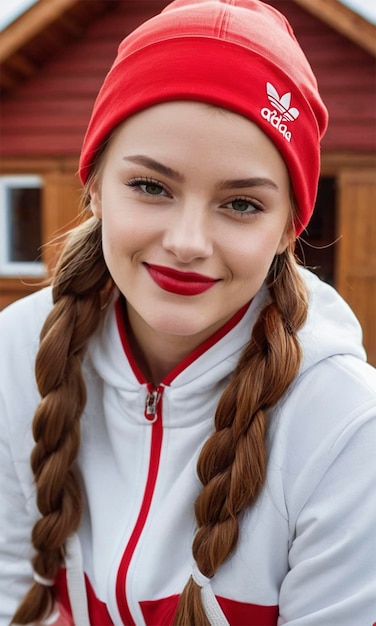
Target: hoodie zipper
{"points": [[151, 403], [153, 413]]}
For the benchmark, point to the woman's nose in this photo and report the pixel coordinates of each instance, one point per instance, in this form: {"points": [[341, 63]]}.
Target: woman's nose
{"points": [[188, 234]]}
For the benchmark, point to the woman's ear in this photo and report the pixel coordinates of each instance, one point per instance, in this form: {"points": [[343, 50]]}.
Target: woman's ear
{"points": [[95, 198], [288, 237]]}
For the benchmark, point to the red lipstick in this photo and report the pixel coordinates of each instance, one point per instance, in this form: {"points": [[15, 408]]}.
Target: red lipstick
{"points": [[180, 283]]}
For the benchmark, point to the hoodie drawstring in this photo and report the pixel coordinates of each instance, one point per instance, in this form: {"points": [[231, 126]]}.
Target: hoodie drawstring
{"points": [[76, 581], [213, 610]]}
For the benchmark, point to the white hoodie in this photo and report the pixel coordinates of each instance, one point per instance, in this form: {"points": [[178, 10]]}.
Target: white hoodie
{"points": [[307, 548]]}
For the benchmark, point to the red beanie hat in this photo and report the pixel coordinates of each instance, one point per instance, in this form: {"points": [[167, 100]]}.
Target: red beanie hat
{"points": [[237, 54]]}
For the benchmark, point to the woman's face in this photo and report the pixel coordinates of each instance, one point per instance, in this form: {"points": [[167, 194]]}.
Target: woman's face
{"points": [[195, 204]]}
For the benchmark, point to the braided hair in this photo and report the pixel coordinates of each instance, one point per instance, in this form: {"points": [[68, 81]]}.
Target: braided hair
{"points": [[79, 288]]}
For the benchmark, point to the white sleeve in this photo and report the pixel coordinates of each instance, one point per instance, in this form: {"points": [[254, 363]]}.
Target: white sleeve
{"points": [[332, 557], [19, 339], [15, 529]]}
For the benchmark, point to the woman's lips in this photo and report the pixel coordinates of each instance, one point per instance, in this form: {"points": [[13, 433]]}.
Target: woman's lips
{"points": [[180, 283]]}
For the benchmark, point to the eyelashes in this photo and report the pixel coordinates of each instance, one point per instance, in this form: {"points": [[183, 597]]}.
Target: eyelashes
{"points": [[151, 188], [244, 206], [148, 186]]}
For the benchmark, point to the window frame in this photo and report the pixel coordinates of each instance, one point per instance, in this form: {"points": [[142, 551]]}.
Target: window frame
{"points": [[8, 267]]}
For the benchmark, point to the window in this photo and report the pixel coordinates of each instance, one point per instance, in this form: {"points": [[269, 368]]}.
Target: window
{"points": [[317, 246], [20, 226]]}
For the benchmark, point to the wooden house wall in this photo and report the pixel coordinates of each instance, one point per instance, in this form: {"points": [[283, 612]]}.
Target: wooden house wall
{"points": [[47, 116]]}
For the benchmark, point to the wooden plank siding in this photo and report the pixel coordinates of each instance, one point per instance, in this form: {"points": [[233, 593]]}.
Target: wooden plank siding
{"points": [[59, 98], [356, 279], [37, 35]]}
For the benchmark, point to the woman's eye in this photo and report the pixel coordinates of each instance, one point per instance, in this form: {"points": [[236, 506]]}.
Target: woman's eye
{"points": [[242, 205], [147, 187], [153, 189]]}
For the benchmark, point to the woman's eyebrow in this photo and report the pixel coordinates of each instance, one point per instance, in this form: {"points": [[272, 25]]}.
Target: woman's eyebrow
{"points": [[237, 183], [242, 183], [152, 164]]}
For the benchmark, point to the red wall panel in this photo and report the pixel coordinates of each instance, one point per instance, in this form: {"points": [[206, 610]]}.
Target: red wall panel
{"points": [[47, 115]]}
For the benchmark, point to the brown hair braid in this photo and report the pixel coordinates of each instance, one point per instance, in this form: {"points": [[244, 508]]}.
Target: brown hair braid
{"points": [[232, 463], [80, 286]]}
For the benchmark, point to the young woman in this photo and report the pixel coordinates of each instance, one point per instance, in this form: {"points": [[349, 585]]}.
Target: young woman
{"points": [[201, 421]]}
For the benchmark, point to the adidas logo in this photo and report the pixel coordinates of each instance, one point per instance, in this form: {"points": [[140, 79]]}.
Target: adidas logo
{"points": [[281, 105]]}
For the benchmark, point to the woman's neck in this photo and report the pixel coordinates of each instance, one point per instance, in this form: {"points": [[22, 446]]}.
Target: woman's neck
{"points": [[156, 353]]}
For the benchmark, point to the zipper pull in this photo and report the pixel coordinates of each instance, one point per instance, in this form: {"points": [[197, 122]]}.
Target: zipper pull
{"points": [[152, 400]]}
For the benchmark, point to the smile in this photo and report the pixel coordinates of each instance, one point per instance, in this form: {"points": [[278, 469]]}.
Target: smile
{"points": [[180, 283]]}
